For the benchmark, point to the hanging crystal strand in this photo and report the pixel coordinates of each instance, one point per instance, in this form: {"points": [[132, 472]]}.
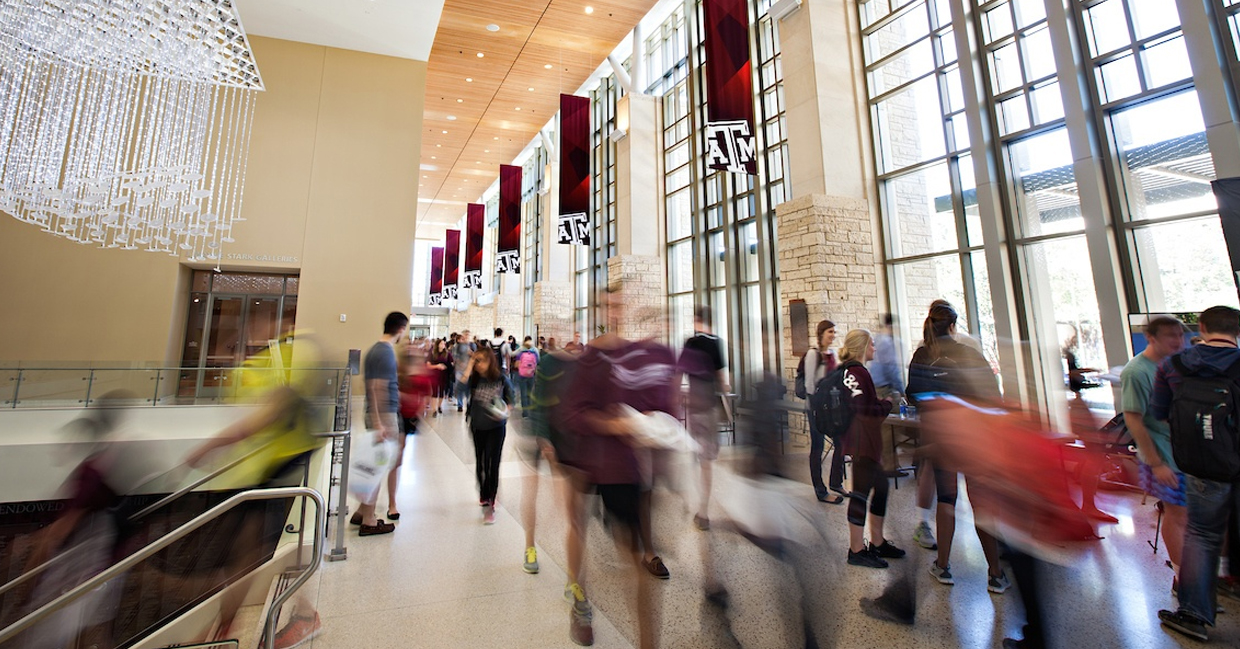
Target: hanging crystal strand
{"points": [[246, 125]]}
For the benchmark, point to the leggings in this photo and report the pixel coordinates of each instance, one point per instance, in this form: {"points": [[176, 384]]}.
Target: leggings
{"points": [[867, 475], [488, 448]]}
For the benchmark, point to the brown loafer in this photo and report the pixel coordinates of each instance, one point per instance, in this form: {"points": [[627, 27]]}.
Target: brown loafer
{"points": [[355, 519], [381, 527], [655, 567]]}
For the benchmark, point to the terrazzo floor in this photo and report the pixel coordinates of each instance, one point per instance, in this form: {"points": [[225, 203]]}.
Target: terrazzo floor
{"points": [[443, 579]]}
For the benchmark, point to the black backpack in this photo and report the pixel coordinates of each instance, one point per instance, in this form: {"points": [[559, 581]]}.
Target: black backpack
{"points": [[831, 403], [1205, 437], [799, 385]]}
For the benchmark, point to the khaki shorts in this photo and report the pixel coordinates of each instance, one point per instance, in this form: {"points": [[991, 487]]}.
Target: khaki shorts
{"points": [[704, 429]]}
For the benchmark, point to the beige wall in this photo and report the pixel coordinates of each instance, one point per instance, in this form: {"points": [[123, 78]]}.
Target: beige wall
{"points": [[329, 193]]}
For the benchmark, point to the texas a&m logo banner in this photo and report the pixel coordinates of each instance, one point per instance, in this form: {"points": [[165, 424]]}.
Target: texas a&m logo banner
{"points": [[451, 263], [730, 141], [574, 224], [508, 256], [435, 295], [475, 220]]}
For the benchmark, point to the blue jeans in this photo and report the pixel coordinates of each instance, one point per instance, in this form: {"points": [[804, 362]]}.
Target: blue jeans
{"points": [[526, 387], [1210, 504], [461, 391]]}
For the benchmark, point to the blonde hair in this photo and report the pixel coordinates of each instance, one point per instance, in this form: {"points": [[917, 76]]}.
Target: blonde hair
{"points": [[855, 346]]}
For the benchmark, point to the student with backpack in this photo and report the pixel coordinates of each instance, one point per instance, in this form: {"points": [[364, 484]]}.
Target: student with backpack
{"points": [[848, 395], [814, 366], [525, 364], [1196, 393], [942, 365]]}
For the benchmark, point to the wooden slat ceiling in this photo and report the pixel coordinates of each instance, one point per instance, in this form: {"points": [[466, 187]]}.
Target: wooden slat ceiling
{"points": [[481, 112]]}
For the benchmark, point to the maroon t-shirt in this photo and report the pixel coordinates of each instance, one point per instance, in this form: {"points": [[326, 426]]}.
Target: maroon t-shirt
{"points": [[641, 375]]}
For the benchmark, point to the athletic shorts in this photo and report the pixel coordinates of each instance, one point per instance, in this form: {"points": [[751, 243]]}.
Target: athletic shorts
{"points": [[704, 428], [622, 501], [1169, 495]]}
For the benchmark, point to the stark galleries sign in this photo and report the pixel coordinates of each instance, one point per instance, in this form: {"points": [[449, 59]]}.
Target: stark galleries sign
{"points": [[730, 142], [574, 221], [508, 254], [435, 294], [451, 263], [475, 221]]}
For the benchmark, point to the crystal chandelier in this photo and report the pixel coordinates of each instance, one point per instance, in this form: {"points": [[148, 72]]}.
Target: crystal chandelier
{"points": [[126, 123]]}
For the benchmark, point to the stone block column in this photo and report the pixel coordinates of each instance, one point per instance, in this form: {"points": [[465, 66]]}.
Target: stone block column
{"points": [[827, 258], [643, 282], [509, 315], [553, 310]]}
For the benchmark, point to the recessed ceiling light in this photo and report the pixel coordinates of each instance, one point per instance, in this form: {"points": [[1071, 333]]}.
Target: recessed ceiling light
{"points": [[426, 176], [469, 80], [480, 55], [497, 137], [486, 150], [518, 108], [432, 157], [589, 10], [459, 100], [531, 89], [438, 145], [492, 27], [445, 132], [451, 118]]}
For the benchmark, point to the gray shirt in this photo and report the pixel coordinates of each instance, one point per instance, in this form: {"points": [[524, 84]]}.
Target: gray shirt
{"points": [[380, 365]]}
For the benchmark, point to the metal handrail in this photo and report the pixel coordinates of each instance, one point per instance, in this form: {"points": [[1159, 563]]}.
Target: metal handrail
{"points": [[148, 551]]}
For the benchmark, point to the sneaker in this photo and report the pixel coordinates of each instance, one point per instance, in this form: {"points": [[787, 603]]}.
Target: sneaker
{"points": [[924, 537], [298, 631], [1184, 623], [998, 585], [865, 559], [573, 593], [701, 522], [580, 623], [381, 527], [488, 515], [531, 561], [887, 551], [944, 575], [1229, 587], [655, 567]]}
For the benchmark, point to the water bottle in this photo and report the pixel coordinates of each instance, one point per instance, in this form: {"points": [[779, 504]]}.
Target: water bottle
{"points": [[903, 408]]}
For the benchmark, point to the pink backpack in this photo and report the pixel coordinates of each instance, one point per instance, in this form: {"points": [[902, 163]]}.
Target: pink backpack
{"points": [[527, 365]]}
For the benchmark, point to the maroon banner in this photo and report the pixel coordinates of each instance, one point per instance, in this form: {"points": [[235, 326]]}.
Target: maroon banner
{"points": [[475, 221], [508, 252], [574, 217], [730, 141], [435, 295], [451, 263]]}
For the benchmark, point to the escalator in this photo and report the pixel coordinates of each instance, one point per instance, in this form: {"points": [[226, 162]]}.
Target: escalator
{"points": [[161, 568]]}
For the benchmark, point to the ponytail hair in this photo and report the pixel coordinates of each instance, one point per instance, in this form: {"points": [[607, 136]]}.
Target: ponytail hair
{"points": [[856, 344], [938, 324]]}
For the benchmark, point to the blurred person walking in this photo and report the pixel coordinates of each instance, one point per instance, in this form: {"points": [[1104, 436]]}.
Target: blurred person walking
{"points": [[886, 368], [944, 366], [1195, 392], [619, 387], [525, 362], [541, 438], [490, 394], [865, 441], [817, 363], [440, 362], [461, 353], [1160, 476], [702, 362]]}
